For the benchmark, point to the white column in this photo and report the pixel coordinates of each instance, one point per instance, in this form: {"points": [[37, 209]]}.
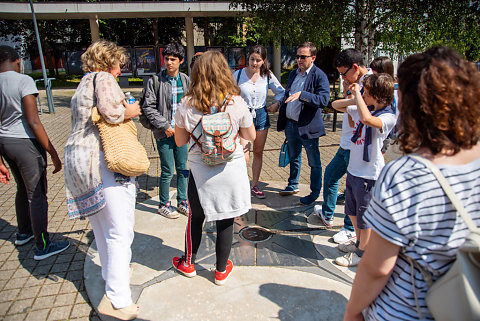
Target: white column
{"points": [[190, 41], [277, 60], [94, 28]]}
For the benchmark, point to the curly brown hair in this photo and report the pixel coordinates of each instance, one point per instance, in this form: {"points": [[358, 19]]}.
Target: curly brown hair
{"points": [[211, 81], [103, 55], [439, 106], [380, 87]]}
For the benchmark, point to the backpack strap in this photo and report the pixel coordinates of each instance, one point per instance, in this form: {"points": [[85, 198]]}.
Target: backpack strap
{"points": [[238, 75], [225, 102], [268, 85]]}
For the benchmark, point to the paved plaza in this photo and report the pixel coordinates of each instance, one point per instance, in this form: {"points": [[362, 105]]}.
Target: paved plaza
{"points": [[289, 275]]}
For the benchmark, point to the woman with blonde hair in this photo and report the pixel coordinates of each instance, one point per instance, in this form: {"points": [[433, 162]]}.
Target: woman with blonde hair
{"points": [[93, 191], [215, 192], [411, 217]]}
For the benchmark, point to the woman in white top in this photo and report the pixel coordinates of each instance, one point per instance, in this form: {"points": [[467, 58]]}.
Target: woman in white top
{"points": [[215, 192], [254, 82], [410, 215]]}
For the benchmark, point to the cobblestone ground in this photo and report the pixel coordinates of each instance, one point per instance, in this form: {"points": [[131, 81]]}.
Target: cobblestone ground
{"points": [[53, 289]]}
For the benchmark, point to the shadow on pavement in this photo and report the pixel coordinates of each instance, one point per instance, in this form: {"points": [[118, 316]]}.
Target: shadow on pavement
{"points": [[329, 305]]}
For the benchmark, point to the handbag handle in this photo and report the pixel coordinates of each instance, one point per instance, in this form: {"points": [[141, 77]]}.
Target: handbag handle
{"points": [[448, 191]]}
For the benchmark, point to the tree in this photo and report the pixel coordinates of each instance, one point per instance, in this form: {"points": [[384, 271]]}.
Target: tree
{"points": [[397, 26], [293, 22]]}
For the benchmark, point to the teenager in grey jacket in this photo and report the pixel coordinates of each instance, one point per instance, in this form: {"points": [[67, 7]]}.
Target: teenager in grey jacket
{"points": [[160, 108]]}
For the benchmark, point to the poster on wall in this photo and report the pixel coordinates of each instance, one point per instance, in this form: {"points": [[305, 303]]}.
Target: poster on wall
{"points": [[162, 62], [127, 69], [237, 58], [145, 60]]}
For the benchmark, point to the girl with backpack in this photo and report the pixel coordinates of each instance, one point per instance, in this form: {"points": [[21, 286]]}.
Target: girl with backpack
{"points": [[254, 82], [215, 192]]}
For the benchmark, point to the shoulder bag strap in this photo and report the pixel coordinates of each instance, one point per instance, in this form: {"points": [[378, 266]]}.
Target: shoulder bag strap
{"points": [[448, 191]]}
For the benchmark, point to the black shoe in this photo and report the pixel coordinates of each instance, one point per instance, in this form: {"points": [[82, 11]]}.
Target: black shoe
{"points": [[340, 198], [309, 199], [52, 248], [288, 191], [23, 238]]}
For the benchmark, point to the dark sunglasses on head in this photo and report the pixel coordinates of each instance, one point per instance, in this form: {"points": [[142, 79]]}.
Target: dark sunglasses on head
{"points": [[302, 57]]}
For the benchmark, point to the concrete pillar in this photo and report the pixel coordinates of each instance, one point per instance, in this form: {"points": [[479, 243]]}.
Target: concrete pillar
{"points": [[190, 41], [277, 60], [94, 28]]}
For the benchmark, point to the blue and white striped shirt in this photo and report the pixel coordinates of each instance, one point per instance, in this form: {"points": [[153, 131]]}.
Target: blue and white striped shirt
{"points": [[409, 208]]}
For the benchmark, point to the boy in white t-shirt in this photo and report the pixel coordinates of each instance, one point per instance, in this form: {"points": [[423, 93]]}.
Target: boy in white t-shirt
{"points": [[374, 118]]}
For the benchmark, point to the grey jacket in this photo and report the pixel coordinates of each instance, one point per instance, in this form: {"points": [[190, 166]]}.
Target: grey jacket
{"points": [[157, 107]]}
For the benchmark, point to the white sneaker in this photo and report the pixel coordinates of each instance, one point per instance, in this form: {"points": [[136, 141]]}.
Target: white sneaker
{"points": [[349, 259], [344, 236]]}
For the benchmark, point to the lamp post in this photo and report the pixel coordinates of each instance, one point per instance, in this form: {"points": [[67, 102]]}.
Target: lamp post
{"points": [[48, 84]]}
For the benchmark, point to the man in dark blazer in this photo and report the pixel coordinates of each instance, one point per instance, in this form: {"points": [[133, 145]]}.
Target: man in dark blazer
{"points": [[300, 115]]}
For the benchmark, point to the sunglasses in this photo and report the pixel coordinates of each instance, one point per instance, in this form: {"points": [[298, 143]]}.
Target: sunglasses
{"points": [[302, 57], [344, 74]]}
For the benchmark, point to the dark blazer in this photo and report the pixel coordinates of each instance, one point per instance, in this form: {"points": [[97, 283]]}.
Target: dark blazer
{"points": [[315, 96]]}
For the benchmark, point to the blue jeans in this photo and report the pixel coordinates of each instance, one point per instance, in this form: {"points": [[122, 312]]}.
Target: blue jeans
{"points": [[172, 157], [294, 143], [334, 171]]}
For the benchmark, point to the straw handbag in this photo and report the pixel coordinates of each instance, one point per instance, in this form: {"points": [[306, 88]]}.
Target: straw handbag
{"points": [[123, 152]]}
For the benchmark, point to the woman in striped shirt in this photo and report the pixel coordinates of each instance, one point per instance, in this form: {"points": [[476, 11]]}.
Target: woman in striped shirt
{"points": [[409, 212]]}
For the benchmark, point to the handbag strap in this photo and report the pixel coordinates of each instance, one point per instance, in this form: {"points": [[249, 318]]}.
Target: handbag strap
{"points": [[448, 191]]}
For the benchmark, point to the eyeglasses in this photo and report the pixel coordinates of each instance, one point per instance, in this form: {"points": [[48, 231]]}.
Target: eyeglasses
{"points": [[302, 57], [344, 74]]}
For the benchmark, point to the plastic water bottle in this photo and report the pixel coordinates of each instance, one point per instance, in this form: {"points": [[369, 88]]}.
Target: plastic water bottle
{"points": [[129, 98]]}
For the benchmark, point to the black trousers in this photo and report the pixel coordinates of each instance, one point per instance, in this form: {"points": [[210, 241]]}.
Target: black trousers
{"points": [[27, 160], [193, 234]]}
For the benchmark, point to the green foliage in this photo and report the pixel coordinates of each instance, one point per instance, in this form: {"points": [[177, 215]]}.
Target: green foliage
{"points": [[294, 22], [452, 23], [399, 27], [139, 31]]}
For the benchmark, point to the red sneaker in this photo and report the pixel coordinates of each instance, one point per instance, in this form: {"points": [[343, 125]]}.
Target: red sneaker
{"points": [[179, 265], [257, 192], [221, 277]]}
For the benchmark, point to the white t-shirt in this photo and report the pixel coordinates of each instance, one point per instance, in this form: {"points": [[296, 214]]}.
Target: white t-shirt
{"points": [[410, 209], [13, 87], [347, 131], [357, 166], [255, 93]]}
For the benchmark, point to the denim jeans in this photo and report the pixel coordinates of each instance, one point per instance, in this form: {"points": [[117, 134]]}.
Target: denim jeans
{"points": [[294, 143], [334, 171], [172, 157]]}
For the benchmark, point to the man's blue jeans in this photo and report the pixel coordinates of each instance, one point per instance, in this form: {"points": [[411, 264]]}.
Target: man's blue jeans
{"points": [[334, 171], [294, 143], [172, 157]]}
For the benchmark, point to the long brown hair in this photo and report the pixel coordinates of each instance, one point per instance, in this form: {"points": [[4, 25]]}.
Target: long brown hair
{"points": [[439, 106], [211, 81], [262, 52]]}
